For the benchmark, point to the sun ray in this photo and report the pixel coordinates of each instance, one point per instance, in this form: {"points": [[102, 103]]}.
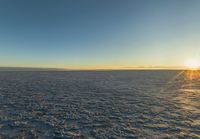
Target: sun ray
{"points": [[170, 81]]}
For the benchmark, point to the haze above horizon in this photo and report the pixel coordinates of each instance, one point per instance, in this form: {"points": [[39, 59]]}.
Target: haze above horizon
{"points": [[114, 34]]}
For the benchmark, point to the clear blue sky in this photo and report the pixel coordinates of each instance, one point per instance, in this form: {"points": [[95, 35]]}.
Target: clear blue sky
{"points": [[98, 33]]}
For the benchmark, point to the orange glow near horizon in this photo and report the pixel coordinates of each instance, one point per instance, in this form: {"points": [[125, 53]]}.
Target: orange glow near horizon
{"points": [[192, 74]]}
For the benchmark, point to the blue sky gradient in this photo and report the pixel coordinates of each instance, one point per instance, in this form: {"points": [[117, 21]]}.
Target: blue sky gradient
{"points": [[81, 34]]}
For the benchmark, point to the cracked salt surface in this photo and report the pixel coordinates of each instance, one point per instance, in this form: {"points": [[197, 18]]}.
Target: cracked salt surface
{"points": [[98, 104]]}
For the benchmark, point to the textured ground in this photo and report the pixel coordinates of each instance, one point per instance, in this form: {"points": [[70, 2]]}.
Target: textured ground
{"points": [[109, 104]]}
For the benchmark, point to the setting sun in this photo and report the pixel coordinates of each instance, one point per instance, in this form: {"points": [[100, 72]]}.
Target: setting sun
{"points": [[192, 64]]}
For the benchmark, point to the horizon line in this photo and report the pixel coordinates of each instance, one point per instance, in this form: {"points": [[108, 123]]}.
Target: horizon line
{"points": [[10, 68]]}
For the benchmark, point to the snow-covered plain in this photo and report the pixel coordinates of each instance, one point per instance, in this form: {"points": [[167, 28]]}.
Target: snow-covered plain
{"points": [[99, 104]]}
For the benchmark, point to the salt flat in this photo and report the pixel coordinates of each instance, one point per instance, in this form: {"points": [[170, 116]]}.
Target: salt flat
{"points": [[99, 104]]}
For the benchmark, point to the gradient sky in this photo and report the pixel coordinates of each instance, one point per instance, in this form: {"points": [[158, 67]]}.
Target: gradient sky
{"points": [[79, 34]]}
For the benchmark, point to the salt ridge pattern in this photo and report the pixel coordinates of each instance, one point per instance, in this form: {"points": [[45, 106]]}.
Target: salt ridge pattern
{"points": [[98, 104]]}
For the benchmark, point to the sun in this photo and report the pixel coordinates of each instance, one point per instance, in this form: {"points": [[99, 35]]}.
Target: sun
{"points": [[192, 64]]}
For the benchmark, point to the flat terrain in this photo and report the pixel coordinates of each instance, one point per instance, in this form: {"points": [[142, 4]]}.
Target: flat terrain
{"points": [[99, 104]]}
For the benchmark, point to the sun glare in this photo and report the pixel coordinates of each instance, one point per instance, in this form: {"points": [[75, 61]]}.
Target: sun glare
{"points": [[192, 64]]}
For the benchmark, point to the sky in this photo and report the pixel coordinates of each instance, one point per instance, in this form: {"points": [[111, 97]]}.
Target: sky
{"points": [[99, 34]]}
